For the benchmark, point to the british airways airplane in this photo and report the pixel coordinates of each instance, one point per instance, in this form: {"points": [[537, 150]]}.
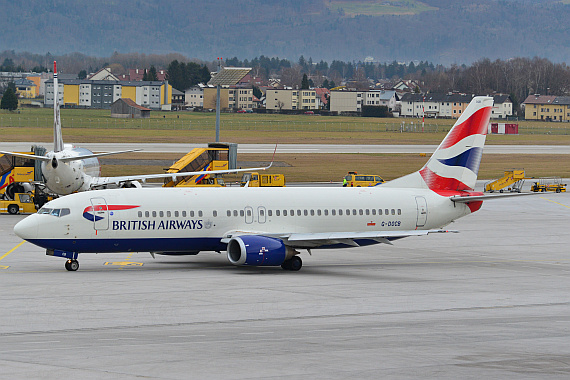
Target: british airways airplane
{"points": [[67, 169], [268, 226]]}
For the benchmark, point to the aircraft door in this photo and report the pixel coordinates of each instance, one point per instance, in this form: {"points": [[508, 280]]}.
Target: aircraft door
{"points": [[422, 211], [261, 214], [249, 215], [100, 214]]}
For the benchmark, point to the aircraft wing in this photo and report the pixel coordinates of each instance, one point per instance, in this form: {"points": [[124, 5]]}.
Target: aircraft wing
{"points": [[32, 156], [312, 240], [102, 181]]}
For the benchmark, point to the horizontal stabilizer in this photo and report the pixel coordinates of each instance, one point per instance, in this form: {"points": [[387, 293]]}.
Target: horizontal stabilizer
{"points": [[474, 198]]}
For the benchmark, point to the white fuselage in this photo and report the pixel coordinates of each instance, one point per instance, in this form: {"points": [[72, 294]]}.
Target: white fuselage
{"points": [[193, 219]]}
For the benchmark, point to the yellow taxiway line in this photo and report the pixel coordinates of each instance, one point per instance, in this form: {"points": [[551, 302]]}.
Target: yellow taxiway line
{"points": [[10, 251]]}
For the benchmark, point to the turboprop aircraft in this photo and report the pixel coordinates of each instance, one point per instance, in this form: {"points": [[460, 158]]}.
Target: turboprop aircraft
{"points": [[67, 169], [268, 226]]}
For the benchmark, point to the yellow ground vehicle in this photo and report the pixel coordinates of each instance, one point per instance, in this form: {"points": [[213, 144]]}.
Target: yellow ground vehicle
{"points": [[14, 170], [549, 184], [353, 179], [262, 180], [217, 156], [22, 203], [513, 180]]}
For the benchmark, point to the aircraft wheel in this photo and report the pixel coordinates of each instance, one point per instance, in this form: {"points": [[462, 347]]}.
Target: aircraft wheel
{"points": [[296, 263], [286, 265], [13, 209], [72, 265]]}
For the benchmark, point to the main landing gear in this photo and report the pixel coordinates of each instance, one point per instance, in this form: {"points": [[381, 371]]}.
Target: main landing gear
{"points": [[293, 264], [72, 265]]}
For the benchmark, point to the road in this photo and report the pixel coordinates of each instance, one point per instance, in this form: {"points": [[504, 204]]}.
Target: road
{"points": [[298, 148]]}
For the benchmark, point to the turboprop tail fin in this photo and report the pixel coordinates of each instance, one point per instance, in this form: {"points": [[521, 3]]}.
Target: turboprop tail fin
{"points": [[455, 163], [57, 137]]}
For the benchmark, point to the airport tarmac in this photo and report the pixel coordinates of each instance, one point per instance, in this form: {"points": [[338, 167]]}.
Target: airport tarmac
{"points": [[492, 301]]}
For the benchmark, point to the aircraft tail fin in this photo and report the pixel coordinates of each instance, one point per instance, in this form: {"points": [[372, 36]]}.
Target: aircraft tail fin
{"points": [[455, 163], [57, 137]]}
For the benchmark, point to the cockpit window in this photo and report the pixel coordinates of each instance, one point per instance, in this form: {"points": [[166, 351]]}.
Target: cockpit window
{"points": [[59, 212]]}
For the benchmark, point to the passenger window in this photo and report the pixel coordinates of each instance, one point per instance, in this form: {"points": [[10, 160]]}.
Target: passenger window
{"points": [[176, 214], [241, 213], [340, 212], [235, 213], [379, 211], [292, 213], [298, 212], [154, 214], [229, 213], [387, 212], [277, 212], [326, 212], [214, 213], [269, 213], [399, 211], [161, 213], [367, 212], [191, 214], [168, 214], [200, 214], [146, 214], [318, 212], [305, 212], [360, 212], [140, 214], [184, 214], [373, 211], [347, 212], [284, 212], [333, 212], [393, 212], [353, 211]]}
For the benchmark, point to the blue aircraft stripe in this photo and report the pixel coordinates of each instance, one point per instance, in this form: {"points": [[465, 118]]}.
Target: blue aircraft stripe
{"points": [[469, 159]]}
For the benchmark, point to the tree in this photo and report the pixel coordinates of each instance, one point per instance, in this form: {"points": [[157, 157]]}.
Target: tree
{"points": [[257, 92], [326, 84], [305, 82], [9, 100], [152, 74], [82, 74]]}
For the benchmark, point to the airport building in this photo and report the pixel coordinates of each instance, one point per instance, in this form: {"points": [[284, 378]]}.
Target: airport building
{"points": [[85, 93], [231, 98]]}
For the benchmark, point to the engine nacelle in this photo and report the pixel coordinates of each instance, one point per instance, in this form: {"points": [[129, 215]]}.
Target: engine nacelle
{"points": [[131, 184], [258, 251]]}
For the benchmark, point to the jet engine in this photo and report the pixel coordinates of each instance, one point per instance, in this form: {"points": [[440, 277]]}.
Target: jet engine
{"points": [[258, 251]]}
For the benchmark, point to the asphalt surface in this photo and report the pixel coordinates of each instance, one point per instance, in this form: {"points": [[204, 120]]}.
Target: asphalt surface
{"points": [[489, 302]]}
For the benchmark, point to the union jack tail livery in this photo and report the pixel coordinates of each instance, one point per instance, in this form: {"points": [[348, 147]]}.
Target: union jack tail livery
{"points": [[455, 163]]}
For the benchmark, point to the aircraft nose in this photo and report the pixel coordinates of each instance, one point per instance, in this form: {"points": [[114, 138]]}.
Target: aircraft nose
{"points": [[27, 228]]}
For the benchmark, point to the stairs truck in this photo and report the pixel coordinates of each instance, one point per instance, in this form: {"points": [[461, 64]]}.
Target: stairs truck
{"points": [[217, 156], [513, 180]]}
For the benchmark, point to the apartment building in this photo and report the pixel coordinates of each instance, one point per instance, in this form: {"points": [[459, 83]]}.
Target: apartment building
{"points": [[102, 93], [290, 99]]}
